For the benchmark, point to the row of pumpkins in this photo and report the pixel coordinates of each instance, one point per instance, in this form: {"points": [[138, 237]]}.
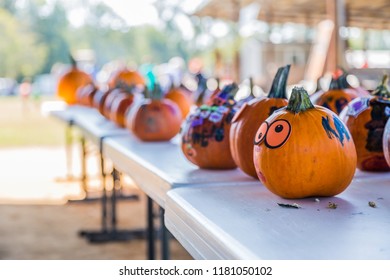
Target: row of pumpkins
{"points": [[296, 149]]}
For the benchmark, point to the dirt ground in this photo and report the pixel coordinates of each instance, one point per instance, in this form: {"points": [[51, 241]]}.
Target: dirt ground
{"points": [[38, 223]]}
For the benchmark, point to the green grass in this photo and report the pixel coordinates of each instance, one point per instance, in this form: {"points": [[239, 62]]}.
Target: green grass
{"points": [[23, 124]]}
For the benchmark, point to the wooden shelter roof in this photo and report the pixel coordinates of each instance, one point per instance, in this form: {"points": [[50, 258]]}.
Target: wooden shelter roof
{"points": [[359, 13]]}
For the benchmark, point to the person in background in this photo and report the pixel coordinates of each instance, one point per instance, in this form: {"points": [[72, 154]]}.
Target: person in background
{"points": [[25, 89]]}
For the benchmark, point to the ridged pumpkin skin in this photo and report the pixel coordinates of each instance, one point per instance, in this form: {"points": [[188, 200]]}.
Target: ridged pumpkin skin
{"points": [[386, 142], [85, 95], [366, 119], [69, 83], [155, 120], [127, 77], [205, 135], [99, 99], [306, 153], [120, 107], [181, 98], [251, 115]]}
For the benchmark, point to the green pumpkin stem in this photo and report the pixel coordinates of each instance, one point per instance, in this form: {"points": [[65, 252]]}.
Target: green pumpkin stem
{"points": [[382, 91], [299, 101], [279, 84]]}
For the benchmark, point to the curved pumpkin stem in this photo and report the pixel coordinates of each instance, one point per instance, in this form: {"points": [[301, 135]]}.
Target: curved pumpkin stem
{"points": [[72, 61], [299, 101], [279, 84], [382, 91]]}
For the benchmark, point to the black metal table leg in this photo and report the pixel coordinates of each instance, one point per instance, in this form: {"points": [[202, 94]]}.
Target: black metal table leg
{"points": [[165, 237], [107, 234], [151, 231]]}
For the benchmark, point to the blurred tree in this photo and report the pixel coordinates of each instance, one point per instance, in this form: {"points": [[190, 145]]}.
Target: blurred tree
{"points": [[20, 54], [51, 25]]}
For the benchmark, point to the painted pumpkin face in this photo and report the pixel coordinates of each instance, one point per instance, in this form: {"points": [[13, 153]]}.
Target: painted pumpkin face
{"points": [[336, 100], [366, 119], [205, 134], [305, 153]]}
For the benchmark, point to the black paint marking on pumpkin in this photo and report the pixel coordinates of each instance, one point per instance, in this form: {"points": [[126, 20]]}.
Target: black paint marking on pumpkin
{"points": [[340, 104], [340, 131], [376, 126], [328, 129], [279, 128]]}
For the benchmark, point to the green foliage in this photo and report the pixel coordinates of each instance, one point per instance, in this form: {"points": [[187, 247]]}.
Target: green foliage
{"points": [[20, 54], [104, 32]]}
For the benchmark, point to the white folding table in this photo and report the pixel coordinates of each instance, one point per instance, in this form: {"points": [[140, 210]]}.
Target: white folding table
{"points": [[246, 222]]}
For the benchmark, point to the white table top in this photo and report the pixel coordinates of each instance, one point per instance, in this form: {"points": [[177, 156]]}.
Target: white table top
{"points": [[90, 122], [158, 167], [246, 222]]}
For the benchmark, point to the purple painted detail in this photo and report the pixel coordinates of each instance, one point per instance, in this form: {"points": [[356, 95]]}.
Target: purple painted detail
{"points": [[215, 117], [196, 122], [357, 106]]}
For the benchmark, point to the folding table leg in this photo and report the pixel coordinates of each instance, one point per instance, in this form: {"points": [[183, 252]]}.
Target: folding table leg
{"points": [[151, 231], [165, 237], [111, 234], [68, 147]]}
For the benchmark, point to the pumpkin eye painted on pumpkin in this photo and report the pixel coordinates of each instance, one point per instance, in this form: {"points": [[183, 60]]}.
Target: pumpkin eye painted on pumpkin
{"points": [[278, 133], [261, 132]]}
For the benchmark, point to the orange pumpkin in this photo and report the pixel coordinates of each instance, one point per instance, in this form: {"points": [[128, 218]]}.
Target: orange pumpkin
{"points": [[127, 77], [182, 98], [99, 99], [338, 96], [248, 119], [366, 118], [386, 142], [154, 118], [69, 83], [85, 95], [304, 150], [205, 133], [121, 105]]}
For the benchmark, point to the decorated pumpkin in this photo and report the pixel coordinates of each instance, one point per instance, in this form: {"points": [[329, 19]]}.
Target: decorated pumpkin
{"points": [[251, 115], [69, 83], [304, 150], [155, 118], [386, 142], [338, 96], [182, 98], [205, 133], [127, 77], [366, 118]]}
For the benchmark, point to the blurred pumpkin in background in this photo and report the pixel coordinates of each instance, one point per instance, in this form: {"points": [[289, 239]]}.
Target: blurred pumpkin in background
{"points": [[122, 103], [251, 115], [205, 132], [304, 150], [182, 98], [339, 94], [85, 95], [366, 118], [128, 77], [154, 118], [69, 83]]}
